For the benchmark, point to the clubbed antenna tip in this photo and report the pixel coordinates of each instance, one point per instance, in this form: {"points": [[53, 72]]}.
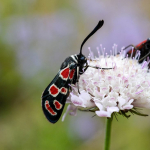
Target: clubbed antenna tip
{"points": [[99, 25]]}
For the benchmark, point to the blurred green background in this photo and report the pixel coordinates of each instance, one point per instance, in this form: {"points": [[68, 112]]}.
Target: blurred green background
{"points": [[35, 38]]}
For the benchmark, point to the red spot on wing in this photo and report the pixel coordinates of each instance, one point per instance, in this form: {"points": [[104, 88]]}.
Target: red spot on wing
{"points": [[57, 105], [71, 73], [65, 73], [53, 90], [48, 107], [63, 90]]}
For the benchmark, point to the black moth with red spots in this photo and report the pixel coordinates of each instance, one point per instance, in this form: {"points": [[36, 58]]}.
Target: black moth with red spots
{"points": [[143, 47], [56, 93]]}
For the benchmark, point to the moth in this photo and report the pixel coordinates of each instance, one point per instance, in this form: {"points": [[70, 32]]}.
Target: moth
{"points": [[56, 93], [143, 47]]}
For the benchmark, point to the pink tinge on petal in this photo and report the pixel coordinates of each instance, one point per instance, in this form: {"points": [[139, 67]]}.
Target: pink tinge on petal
{"points": [[76, 100], [127, 107], [109, 78], [123, 78], [88, 89], [102, 72], [126, 81], [139, 92], [103, 113], [112, 98], [119, 75], [104, 88], [144, 64], [95, 83]]}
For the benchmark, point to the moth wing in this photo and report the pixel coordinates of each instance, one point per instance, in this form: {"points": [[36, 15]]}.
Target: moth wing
{"points": [[56, 93], [53, 106]]}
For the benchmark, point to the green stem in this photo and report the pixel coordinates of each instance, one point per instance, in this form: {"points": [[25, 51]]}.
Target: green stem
{"points": [[108, 133]]}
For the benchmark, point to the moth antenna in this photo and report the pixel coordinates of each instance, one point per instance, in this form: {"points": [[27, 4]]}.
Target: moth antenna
{"points": [[99, 25]]}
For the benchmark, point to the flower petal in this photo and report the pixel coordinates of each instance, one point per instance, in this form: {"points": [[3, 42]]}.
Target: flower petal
{"points": [[72, 110], [86, 98], [99, 105], [76, 100], [113, 109], [103, 113]]}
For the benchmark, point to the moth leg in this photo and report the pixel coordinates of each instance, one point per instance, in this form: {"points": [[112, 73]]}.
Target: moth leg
{"points": [[131, 45], [95, 67], [99, 67], [76, 76], [78, 79], [144, 56]]}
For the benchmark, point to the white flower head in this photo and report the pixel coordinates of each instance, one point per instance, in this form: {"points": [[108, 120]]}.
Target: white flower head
{"points": [[122, 88]]}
